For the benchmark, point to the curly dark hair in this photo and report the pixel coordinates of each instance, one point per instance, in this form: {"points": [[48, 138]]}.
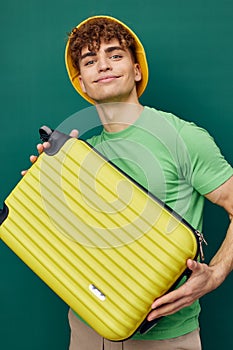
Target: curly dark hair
{"points": [[93, 31]]}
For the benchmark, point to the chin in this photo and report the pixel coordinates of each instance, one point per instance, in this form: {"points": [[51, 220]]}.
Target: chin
{"points": [[113, 98]]}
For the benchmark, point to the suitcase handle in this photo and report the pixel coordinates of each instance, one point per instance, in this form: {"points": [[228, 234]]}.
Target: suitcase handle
{"points": [[3, 213], [45, 133], [54, 137]]}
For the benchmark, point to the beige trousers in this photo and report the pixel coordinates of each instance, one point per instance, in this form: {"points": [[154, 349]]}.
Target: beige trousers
{"points": [[85, 338]]}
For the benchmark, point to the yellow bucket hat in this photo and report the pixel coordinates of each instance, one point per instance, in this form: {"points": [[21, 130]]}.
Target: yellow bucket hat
{"points": [[140, 55]]}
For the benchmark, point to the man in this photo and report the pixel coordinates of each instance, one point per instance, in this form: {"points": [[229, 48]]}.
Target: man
{"points": [[107, 66]]}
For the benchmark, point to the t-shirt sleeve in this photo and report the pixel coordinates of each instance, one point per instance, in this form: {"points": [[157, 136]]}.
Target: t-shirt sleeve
{"points": [[204, 165]]}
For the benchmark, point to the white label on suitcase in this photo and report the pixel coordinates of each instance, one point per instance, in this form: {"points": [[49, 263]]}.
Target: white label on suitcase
{"points": [[97, 292]]}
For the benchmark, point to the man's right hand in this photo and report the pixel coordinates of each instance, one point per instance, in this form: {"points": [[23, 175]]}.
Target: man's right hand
{"points": [[41, 147]]}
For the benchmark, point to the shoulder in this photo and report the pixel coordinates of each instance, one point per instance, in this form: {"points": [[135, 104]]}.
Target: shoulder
{"points": [[197, 152], [169, 120]]}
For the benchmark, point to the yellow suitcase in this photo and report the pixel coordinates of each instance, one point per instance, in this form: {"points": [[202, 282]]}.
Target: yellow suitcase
{"points": [[95, 237]]}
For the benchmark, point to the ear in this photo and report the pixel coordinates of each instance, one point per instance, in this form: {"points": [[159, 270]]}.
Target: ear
{"points": [[138, 72], [82, 84]]}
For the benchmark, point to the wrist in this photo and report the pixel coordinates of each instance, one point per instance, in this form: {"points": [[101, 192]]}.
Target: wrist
{"points": [[218, 275]]}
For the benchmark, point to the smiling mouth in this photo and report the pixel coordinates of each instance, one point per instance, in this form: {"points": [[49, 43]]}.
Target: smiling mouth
{"points": [[107, 79]]}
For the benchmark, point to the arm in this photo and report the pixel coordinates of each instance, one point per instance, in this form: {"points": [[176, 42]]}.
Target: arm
{"points": [[222, 262], [204, 278]]}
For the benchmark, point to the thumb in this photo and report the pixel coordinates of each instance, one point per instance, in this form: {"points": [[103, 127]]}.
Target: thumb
{"points": [[192, 264]]}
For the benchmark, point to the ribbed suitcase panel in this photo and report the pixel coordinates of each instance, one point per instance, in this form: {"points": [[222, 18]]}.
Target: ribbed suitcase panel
{"points": [[96, 238]]}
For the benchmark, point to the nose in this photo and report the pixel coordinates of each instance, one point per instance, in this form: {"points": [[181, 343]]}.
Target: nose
{"points": [[104, 64]]}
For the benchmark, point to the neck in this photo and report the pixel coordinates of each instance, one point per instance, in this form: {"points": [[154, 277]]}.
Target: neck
{"points": [[117, 116]]}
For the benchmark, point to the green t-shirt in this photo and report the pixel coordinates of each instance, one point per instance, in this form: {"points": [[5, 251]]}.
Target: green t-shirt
{"points": [[178, 162]]}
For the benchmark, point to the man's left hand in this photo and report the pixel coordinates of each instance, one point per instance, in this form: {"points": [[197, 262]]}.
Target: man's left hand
{"points": [[199, 283]]}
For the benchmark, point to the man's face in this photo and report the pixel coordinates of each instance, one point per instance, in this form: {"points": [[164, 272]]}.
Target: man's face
{"points": [[109, 74]]}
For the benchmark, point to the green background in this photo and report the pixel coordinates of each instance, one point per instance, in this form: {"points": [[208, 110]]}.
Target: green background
{"points": [[190, 54]]}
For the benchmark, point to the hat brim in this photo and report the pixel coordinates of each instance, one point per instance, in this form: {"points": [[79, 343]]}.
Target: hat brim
{"points": [[73, 72]]}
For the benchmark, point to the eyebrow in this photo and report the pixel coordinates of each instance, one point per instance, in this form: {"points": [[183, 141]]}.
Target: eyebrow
{"points": [[88, 54], [107, 50]]}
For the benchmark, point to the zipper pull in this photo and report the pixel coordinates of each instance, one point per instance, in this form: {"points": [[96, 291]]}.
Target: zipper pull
{"points": [[201, 239]]}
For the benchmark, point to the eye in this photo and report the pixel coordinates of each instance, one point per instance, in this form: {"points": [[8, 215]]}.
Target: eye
{"points": [[89, 63], [116, 57]]}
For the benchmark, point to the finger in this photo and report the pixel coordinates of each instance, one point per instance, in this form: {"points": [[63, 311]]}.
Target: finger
{"points": [[23, 172], [167, 298], [40, 148], [167, 309], [74, 133], [193, 265], [46, 145], [33, 158]]}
